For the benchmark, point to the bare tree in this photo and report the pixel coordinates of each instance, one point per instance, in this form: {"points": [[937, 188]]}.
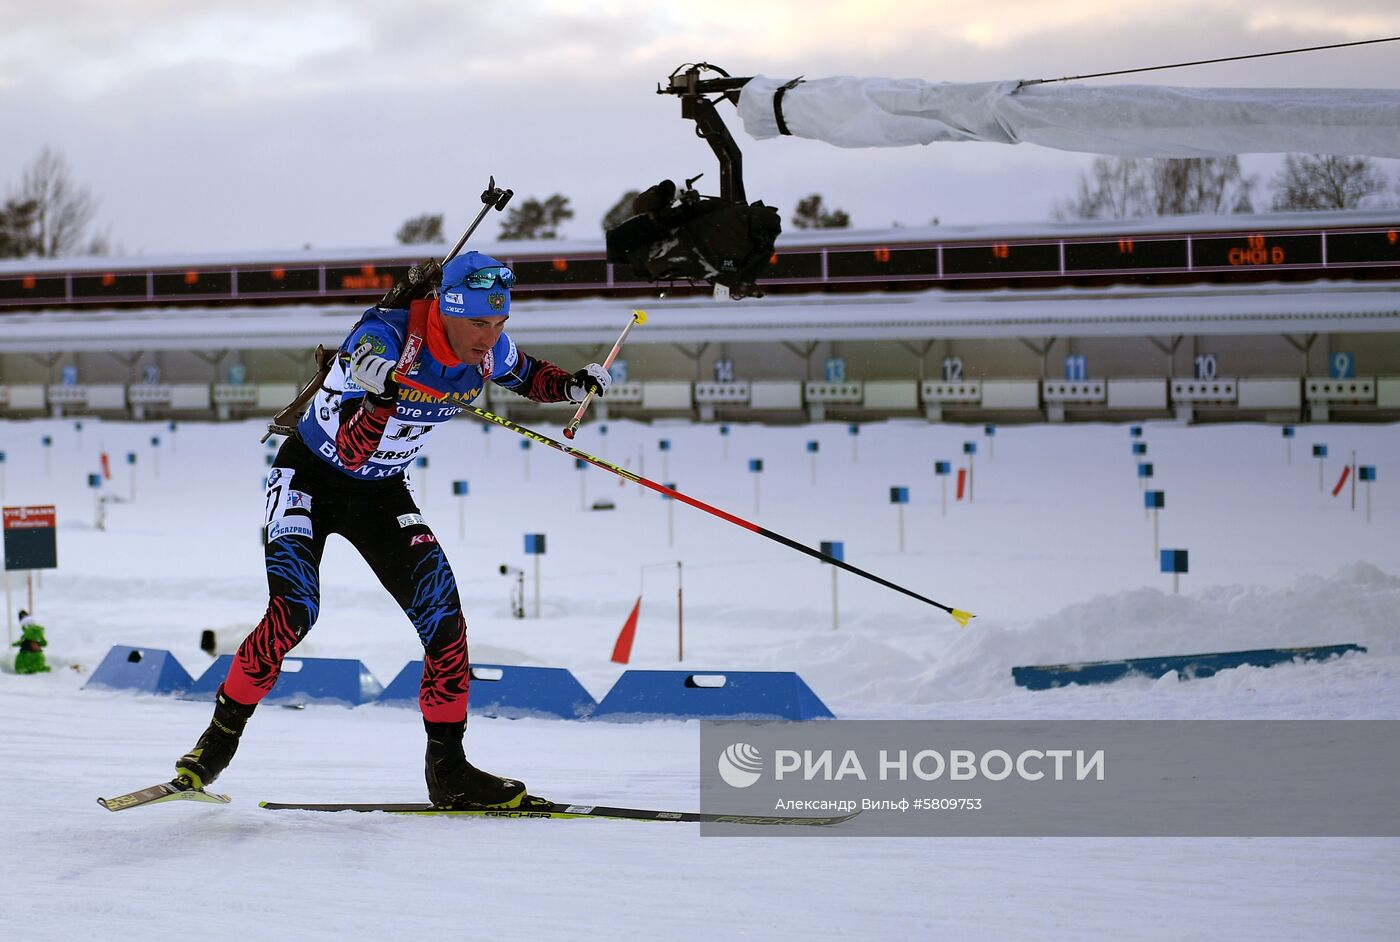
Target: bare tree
{"points": [[420, 229], [533, 219], [623, 210], [1119, 187], [811, 214], [1325, 181], [63, 208]]}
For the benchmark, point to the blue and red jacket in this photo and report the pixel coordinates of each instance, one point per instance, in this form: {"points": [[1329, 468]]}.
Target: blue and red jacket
{"points": [[373, 444]]}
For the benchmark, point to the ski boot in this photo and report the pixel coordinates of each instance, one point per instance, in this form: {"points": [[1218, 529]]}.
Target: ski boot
{"points": [[453, 782], [215, 748]]}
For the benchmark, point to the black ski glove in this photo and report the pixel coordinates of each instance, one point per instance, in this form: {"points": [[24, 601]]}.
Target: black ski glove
{"points": [[591, 379]]}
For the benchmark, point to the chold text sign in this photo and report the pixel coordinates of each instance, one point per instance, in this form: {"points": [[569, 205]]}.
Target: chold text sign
{"points": [[1259, 778]]}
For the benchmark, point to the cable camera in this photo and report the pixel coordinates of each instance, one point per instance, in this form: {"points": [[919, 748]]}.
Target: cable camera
{"points": [[679, 234]]}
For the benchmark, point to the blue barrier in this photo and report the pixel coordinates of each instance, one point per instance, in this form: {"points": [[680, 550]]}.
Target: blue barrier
{"points": [[1186, 666], [504, 690], [302, 680], [145, 670], [758, 695]]}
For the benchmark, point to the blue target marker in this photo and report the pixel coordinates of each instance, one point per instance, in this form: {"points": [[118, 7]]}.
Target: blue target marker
{"points": [[942, 469], [1174, 561], [900, 496]]}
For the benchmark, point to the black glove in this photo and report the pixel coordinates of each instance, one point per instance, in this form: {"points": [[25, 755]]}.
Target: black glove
{"points": [[591, 379], [422, 279]]}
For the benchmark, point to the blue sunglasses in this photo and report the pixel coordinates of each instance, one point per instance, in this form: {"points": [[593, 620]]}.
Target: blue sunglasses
{"points": [[487, 277]]}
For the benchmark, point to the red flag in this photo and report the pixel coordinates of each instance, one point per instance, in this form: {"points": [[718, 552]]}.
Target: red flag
{"points": [[106, 468], [962, 482], [1341, 481], [622, 650]]}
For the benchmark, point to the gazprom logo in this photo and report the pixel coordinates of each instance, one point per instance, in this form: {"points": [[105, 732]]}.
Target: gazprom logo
{"points": [[453, 297], [740, 765]]}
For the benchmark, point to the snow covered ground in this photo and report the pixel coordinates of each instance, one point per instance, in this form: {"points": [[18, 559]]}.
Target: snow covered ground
{"points": [[1054, 556]]}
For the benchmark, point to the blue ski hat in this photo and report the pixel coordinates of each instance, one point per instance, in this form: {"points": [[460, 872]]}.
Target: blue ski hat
{"points": [[475, 285]]}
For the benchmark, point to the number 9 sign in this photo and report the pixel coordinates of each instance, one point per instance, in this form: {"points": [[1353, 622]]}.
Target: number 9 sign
{"points": [[1343, 366]]}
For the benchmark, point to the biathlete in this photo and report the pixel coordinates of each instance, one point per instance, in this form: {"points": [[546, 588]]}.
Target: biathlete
{"points": [[343, 472]]}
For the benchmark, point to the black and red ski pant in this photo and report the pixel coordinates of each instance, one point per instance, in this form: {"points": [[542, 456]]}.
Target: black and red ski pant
{"points": [[307, 500]]}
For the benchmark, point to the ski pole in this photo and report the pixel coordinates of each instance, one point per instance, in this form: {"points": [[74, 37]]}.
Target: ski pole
{"points": [[959, 615], [638, 317]]}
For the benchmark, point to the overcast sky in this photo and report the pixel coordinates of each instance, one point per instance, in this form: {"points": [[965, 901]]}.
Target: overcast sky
{"points": [[217, 125]]}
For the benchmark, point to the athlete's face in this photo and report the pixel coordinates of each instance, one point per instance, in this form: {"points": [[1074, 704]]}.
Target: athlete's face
{"points": [[473, 337]]}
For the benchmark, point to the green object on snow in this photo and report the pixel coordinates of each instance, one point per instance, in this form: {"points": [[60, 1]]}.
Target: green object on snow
{"points": [[30, 659]]}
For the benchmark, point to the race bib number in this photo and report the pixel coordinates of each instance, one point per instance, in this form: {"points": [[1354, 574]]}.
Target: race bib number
{"points": [[287, 511]]}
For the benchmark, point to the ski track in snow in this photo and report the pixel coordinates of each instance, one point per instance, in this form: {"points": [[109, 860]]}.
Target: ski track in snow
{"points": [[1054, 557]]}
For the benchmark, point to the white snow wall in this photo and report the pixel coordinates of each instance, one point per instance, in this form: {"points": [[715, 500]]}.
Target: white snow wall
{"points": [[1123, 120]]}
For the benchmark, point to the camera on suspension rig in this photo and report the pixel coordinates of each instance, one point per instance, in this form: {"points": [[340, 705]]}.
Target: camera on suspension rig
{"points": [[682, 235]]}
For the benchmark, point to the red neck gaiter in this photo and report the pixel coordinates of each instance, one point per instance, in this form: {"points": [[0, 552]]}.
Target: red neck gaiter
{"points": [[438, 343]]}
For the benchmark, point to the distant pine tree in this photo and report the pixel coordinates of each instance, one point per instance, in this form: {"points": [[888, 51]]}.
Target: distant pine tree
{"points": [[533, 219], [811, 214], [420, 229]]}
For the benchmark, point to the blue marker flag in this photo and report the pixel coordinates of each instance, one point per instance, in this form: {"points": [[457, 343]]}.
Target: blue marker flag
{"points": [[1174, 560]]}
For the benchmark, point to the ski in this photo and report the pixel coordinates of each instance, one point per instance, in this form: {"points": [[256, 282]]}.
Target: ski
{"points": [[174, 790], [539, 808]]}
